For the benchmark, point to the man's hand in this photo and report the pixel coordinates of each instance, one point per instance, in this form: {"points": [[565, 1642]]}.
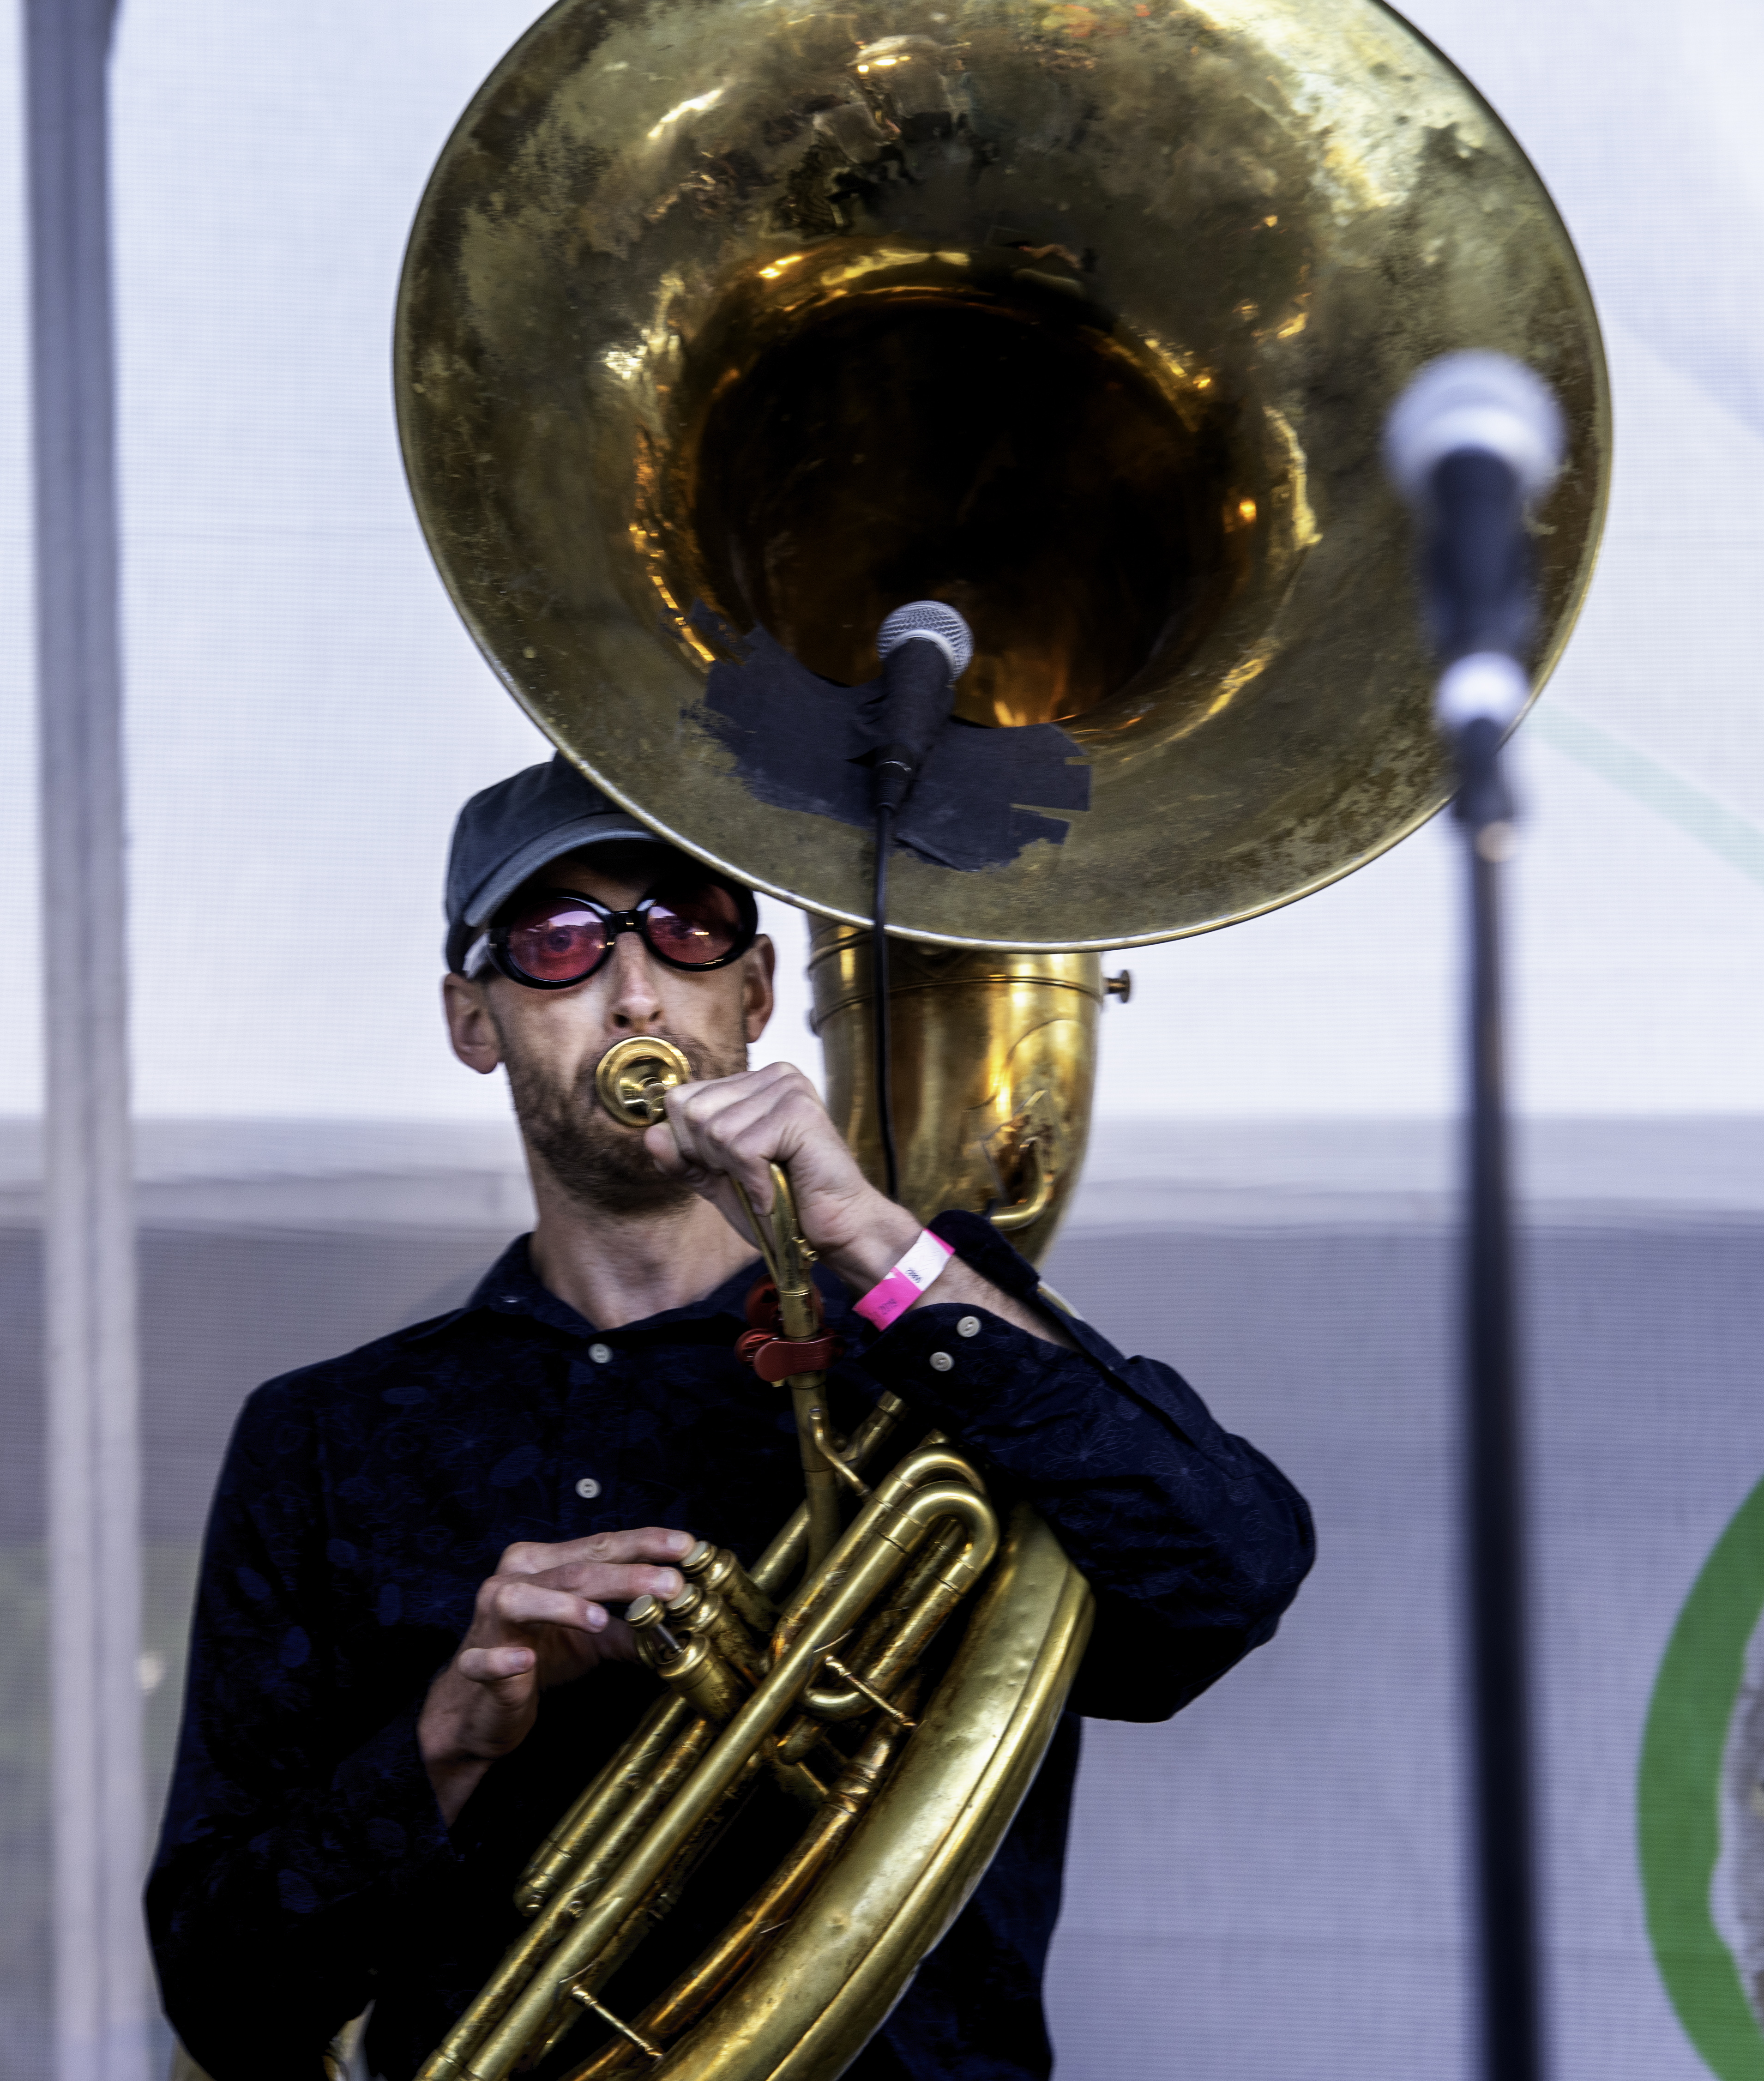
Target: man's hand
{"points": [[735, 1126], [540, 1619]]}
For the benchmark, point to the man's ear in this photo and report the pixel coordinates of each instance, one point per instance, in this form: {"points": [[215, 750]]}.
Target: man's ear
{"points": [[758, 966], [470, 1026]]}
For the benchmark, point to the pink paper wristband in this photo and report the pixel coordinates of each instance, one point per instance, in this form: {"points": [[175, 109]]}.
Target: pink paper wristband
{"points": [[890, 1299]]}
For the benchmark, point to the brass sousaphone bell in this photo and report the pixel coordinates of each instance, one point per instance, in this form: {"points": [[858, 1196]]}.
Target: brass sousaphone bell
{"points": [[726, 328]]}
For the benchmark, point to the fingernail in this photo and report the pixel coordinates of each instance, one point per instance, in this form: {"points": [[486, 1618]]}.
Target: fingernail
{"points": [[667, 1582], [679, 1541], [597, 1618]]}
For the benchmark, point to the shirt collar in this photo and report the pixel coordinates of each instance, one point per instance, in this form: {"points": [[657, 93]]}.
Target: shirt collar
{"points": [[511, 1287]]}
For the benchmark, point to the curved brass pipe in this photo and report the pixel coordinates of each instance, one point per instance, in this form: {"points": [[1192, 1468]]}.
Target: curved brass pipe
{"points": [[575, 1957], [1012, 1220], [768, 1912], [934, 1456]]}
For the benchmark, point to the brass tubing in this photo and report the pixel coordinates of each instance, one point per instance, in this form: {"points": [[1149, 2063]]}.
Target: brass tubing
{"points": [[868, 1575], [849, 1701], [883, 1636], [994, 1085], [793, 1776], [865, 1689], [783, 1558], [819, 1481], [874, 1430], [802, 1738], [875, 1698], [617, 1781], [765, 1913], [829, 1700], [827, 1447], [700, 1610], [524, 1956], [708, 1684], [934, 1456], [611, 1813], [1035, 1204], [715, 1568], [660, 1901], [930, 1562], [676, 1766]]}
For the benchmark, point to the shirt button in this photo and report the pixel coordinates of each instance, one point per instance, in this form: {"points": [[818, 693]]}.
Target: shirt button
{"points": [[941, 1361], [601, 1354], [587, 1488], [968, 1326]]}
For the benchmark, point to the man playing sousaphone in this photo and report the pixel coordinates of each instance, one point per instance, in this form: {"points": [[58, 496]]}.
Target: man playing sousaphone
{"points": [[409, 1650]]}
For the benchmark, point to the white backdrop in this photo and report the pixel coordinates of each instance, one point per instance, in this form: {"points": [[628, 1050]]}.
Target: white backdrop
{"points": [[305, 713]]}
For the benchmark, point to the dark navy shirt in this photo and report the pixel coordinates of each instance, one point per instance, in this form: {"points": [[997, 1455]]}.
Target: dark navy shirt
{"points": [[304, 1869]]}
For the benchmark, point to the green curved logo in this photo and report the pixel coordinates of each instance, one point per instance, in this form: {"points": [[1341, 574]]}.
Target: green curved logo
{"points": [[1679, 1799]]}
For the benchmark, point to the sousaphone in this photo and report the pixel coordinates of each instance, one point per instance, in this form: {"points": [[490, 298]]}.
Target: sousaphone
{"points": [[725, 329]]}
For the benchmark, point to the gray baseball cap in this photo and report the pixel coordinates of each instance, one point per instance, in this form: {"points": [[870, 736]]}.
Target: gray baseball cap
{"points": [[509, 832]]}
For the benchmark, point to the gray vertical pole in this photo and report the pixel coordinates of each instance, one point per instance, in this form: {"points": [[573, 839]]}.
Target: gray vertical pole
{"points": [[89, 1240]]}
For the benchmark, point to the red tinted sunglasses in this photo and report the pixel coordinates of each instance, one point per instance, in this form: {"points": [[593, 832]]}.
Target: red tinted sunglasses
{"points": [[558, 937]]}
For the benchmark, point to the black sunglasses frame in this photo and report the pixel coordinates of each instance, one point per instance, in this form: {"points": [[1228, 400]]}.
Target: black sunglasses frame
{"points": [[635, 920]]}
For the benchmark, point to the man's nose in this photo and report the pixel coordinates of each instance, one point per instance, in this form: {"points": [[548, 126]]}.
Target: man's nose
{"points": [[635, 1002]]}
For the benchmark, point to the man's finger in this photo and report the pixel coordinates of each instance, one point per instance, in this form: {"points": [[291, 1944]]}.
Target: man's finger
{"points": [[519, 1603], [495, 1665], [689, 1107], [609, 1584], [659, 1543], [649, 1542], [738, 1132], [663, 1145], [704, 1117]]}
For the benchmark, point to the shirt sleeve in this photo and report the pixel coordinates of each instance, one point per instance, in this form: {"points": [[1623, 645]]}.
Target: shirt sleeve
{"points": [[1193, 1543], [299, 1814]]}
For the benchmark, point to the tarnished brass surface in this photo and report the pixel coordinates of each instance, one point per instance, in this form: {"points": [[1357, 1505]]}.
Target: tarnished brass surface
{"points": [[1085, 316], [919, 1543], [622, 1782], [993, 1060], [931, 1833], [717, 1569], [790, 1261], [870, 1565], [634, 1077], [785, 1249], [770, 1911]]}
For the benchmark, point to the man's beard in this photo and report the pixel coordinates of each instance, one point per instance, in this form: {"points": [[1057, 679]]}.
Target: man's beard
{"points": [[595, 1161]]}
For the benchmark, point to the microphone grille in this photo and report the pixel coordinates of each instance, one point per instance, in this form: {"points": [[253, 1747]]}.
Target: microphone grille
{"points": [[929, 620], [1475, 401]]}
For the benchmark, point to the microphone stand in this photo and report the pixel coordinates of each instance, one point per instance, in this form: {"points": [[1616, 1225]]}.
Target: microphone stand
{"points": [[1494, 1499]]}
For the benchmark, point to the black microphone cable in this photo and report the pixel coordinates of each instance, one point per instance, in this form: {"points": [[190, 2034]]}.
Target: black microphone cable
{"points": [[879, 985], [925, 647]]}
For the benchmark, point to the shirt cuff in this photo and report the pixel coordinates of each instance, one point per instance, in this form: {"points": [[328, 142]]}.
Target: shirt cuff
{"points": [[979, 1245], [956, 1361]]}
